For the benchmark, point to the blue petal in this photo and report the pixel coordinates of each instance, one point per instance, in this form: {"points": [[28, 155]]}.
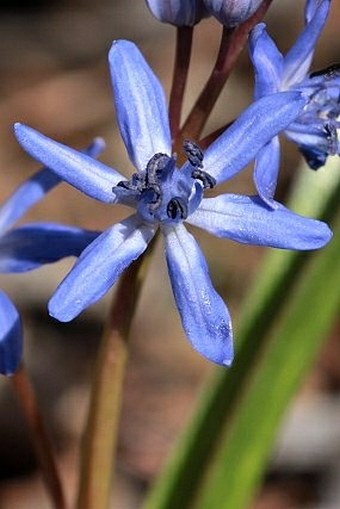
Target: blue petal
{"points": [[34, 189], [298, 59], [10, 336], [99, 267], [140, 104], [266, 171], [81, 171], [246, 219], [267, 61], [32, 245], [310, 9], [255, 127], [177, 12], [204, 315], [231, 13]]}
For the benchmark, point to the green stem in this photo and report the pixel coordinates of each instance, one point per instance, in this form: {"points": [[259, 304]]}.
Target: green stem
{"points": [[98, 453], [286, 356], [182, 478], [25, 394]]}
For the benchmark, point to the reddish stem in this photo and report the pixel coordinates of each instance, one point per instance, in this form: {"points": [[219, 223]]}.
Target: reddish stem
{"points": [[182, 61], [232, 43], [25, 393], [211, 137]]}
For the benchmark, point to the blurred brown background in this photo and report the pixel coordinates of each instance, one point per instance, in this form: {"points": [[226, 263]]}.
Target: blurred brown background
{"points": [[54, 77]]}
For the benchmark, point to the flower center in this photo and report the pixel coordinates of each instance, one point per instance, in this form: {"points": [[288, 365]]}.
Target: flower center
{"points": [[162, 193]]}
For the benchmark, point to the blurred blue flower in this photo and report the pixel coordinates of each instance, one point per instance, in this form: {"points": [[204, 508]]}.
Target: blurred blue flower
{"points": [[164, 197], [315, 129], [178, 12], [232, 12], [28, 247]]}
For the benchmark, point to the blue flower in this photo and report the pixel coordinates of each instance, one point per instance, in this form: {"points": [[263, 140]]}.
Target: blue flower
{"points": [[164, 197], [177, 12], [28, 247], [315, 129], [232, 12]]}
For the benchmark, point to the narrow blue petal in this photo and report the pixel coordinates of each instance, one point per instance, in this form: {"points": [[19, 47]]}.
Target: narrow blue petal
{"points": [[99, 267], [267, 61], [204, 315], [266, 171], [310, 8], [34, 189], [140, 104], [255, 127], [298, 59], [246, 219], [81, 171], [10, 336], [32, 245]]}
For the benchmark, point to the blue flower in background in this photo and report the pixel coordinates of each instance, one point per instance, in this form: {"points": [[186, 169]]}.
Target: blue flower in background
{"points": [[232, 12], [28, 247], [164, 196], [177, 12], [315, 129]]}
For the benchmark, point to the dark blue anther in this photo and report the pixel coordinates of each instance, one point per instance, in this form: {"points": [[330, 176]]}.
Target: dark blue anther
{"points": [[135, 184], [177, 208], [207, 180], [330, 72], [193, 153], [155, 167], [152, 195]]}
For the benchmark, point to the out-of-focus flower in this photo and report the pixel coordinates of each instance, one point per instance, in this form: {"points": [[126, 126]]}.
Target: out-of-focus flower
{"points": [[178, 12], [232, 12], [315, 129], [164, 197], [30, 246]]}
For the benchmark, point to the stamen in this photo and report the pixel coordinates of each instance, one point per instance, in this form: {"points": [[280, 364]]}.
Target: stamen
{"points": [[155, 167], [207, 180], [176, 207], [330, 72], [123, 183], [135, 184], [193, 153], [332, 138], [153, 196]]}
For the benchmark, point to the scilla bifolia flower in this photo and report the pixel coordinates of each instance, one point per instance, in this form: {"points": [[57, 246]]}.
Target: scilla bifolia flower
{"points": [[178, 12], [315, 129], [165, 197], [30, 246], [232, 12]]}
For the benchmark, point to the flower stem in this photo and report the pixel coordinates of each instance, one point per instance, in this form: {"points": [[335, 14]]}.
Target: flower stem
{"points": [[100, 436], [232, 43], [25, 394], [182, 61]]}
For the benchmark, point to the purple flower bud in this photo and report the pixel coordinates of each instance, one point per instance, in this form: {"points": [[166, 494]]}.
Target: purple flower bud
{"points": [[178, 12], [232, 12]]}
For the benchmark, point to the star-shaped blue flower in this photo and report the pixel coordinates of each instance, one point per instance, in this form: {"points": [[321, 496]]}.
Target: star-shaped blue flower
{"points": [[315, 129], [30, 246], [164, 197]]}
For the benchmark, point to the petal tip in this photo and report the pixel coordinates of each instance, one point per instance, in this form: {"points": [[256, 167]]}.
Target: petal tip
{"points": [[59, 314], [228, 362]]}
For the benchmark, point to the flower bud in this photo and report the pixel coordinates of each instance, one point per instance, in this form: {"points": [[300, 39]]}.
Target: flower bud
{"points": [[232, 12], [178, 12]]}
